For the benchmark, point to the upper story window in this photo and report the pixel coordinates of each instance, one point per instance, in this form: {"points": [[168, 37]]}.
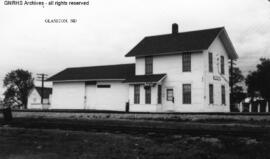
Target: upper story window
{"points": [[211, 93], [186, 62], [148, 65], [186, 93], [136, 94], [210, 61], [222, 65]]}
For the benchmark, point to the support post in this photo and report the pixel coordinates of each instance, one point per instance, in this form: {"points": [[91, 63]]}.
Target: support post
{"points": [[42, 88], [241, 107], [42, 77], [267, 107], [231, 84], [231, 72]]}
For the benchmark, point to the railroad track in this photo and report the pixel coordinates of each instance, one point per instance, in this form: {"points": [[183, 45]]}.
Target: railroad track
{"points": [[142, 127]]}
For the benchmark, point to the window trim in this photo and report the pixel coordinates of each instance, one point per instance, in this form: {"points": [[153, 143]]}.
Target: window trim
{"points": [[210, 62], [187, 99], [137, 89], [148, 95], [159, 94], [167, 97], [186, 62], [223, 95], [211, 94], [149, 65], [222, 65]]}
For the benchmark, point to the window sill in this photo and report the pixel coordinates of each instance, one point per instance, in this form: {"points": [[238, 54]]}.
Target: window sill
{"points": [[186, 72], [217, 105]]}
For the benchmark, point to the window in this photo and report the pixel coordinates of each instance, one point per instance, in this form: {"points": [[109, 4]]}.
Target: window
{"points": [[104, 86], [210, 61], [148, 95], [159, 94], [136, 94], [148, 65], [222, 65], [186, 62], [186, 93], [170, 95], [211, 93], [223, 95]]}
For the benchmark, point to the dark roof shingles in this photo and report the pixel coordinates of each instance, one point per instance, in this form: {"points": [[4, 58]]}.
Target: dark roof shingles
{"points": [[121, 71], [46, 91], [180, 42], [145, 78]]}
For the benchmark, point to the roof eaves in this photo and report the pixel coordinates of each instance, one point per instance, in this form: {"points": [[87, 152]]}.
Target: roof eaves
{"points": [[222, 29], [84, 80], [127, 55], [232, 50], [171, 53], [224, 37], [234, 56], [133, 82], [162, 78]]}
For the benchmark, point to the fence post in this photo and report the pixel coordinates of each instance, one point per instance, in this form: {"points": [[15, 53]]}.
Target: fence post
{"points": [[267, 107], [7, 114], [127, 107], [259, 108], [241, 107], [249, 107]]}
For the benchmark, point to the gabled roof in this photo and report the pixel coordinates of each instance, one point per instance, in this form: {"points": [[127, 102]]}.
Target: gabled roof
{"points": [[154, 78], [46, 91], [109, 72], [192, 41]]}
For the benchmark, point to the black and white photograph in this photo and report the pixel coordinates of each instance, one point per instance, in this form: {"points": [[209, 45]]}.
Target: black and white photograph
{"points": [[136, 79]]}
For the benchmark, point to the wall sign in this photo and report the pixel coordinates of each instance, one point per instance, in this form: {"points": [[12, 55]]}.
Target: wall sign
{"points": [[216, 78]]}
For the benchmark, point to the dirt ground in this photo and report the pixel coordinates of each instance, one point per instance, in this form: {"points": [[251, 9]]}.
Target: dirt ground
{"points": [[29, 143]]}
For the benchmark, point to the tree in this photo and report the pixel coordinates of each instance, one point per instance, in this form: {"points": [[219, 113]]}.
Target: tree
{"points": [[18, 83], [259, 80], [236, 77]]}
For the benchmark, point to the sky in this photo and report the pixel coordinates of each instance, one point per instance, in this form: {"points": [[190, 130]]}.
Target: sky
{"points": [[107, 29]]}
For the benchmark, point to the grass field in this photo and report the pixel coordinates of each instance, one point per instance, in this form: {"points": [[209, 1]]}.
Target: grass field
{"points": [[53, 144], [39, 138]]}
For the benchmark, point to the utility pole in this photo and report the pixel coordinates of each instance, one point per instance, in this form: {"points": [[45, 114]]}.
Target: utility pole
{"points": [[231, 83], [42, 77], [231, 72]]}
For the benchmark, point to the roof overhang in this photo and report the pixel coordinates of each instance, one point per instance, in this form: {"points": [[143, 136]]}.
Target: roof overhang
{"points": [[170, 53], [85, 80], [145, 79], [223, 35]]}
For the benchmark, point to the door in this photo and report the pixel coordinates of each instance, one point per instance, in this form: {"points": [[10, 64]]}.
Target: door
{"points": [[169, 104], [90, 96]]}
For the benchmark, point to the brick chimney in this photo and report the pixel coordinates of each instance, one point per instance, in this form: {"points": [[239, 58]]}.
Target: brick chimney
{"points": [[174, 28]]}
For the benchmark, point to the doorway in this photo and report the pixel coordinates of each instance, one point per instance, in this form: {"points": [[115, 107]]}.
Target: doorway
{"points": [[90, 96], [170, 99]]}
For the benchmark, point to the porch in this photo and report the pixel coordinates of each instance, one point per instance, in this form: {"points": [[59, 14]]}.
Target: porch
{"points": [[146, 93]]}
